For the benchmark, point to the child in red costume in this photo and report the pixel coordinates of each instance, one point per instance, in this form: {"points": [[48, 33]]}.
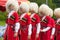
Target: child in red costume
{"points": [[35, 21], [12, 22], [47, 23], [57, 14], [25, 22]]}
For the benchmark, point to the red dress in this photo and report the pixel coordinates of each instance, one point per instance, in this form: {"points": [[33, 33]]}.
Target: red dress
{"points": [[58, 31], [10, 30], [25, 21], [35, 20], [53, 26], [44, 24]]}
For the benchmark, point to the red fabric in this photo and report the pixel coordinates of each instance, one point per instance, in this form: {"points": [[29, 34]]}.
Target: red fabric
{"points": [[46, 35], [34, 27], [53, 26], [57, 31], [2, 5], [53, 22], [10, 27], [2, 8], [3, 2], [24, 27]]}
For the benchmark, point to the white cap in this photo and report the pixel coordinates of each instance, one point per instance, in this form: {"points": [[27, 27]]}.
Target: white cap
{"points": [[34, 6], [57, 12], [14, 3], [44, 9], [25, 6], [50, 12]]}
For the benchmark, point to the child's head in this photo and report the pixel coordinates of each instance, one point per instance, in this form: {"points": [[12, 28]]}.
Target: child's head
{"points": [[33, 7], [24, 8], [57, 12], [12, 5], [44, 10]]}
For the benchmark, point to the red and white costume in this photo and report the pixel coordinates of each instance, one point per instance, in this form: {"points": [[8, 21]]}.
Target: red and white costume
{"points": [[46, 25], [53, 30], [25, 22], [57, 14], [35, 21], [35, 26], [12, 25], [25, 26], [12, 22], [58, 29], [53, 25]]}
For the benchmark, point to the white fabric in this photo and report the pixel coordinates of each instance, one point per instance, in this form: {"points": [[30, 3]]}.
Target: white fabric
{"points": [[10, 14], [43, 18], [53, 31], [44, 9], [46, 29], [38, 28], [32, 15], [24, 6], [30, 29], [58, 20], [22, 16], [57, 12], [17, 26], [34, 6]]}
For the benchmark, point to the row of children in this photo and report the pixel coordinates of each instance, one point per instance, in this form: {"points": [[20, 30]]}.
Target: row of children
{"points": [[33, 23]]}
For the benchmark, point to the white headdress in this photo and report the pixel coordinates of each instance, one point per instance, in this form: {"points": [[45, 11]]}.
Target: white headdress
{"points": [[34, 6], [14, 3], [57, 12], [44, 9], [25, 6], [51, 12]]}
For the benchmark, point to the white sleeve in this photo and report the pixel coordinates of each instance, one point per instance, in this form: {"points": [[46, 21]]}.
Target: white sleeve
{"points": [[53, 31], [46, 29], [38, 28], [17, 26], [30, 29]]}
